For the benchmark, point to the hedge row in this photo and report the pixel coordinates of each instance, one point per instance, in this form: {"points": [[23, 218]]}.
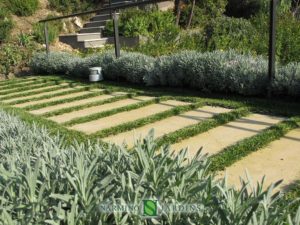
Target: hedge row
{"points": [[222, 72], [42, 181]]}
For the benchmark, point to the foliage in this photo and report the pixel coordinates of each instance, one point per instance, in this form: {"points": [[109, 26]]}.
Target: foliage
{"points": [[71, 6], [6, 24], [212, 71], [21, 7], [244, 8], [153, 24], [42, 180], [54, 28], [13, 57], [54, 63], [132, 67], [24, 39], [231, 33], [218, 71]]}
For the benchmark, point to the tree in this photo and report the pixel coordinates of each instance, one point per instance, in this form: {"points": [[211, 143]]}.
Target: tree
{"points": [[191, 14]]}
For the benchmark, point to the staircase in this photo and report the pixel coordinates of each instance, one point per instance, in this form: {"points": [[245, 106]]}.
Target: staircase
{"points": [[90, 36]]}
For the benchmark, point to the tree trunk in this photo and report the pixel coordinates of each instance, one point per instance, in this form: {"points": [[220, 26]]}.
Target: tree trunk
{"points": [[191, 15], [177, 11]]}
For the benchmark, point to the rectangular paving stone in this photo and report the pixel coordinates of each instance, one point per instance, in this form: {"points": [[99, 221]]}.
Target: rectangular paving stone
{"points": [[9, 87], [168, 125], [119, 118], [72, 104], [216, 139], [279, 160], [67, 96], [26, 96], [97, 109]]}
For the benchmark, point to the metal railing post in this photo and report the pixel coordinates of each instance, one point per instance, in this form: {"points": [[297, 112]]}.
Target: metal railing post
{"points": [[116, 34], [272, 45], [46, 38]]}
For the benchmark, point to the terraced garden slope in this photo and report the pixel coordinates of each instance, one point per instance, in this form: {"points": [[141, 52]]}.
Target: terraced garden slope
{"points": [[236, 133]]}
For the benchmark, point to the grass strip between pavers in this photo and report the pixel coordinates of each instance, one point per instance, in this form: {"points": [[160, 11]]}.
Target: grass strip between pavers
{"points": [[19, 95], [234, 153], [17, 85], [69, 137], [144, 121], [88, 105], [201, 127], [38, 84], [17, 81], [62, 101], [100, 115]]}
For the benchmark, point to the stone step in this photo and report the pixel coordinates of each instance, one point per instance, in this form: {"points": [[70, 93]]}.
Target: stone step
{"points": [[101, 17], [67, 96], [116, 3], [95, 24], [91, 30], [97, 43], [279, 160], [216, 139], [97, 109], [123, 117], [168, 125], [26, 94]]}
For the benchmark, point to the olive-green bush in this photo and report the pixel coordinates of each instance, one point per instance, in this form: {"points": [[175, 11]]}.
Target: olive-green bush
{"points": [[22, 7], [43, 181], [153, 24]]}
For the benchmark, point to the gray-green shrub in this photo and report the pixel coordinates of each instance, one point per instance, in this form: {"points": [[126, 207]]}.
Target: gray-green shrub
{"points": [[54, 63], [132, 67], [218, 71], [287, 81], [43, 181]]}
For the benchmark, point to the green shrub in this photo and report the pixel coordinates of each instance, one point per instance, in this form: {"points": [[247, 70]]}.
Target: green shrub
{"points": [[154, 24], [71, 6], [44, 181], [13, 57], [231, 33], [22, 7], [6, 25], [54, 28]]}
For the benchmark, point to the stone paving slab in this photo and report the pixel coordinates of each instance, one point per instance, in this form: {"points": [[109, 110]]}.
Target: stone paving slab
{"points": [[67, 96], [26, 96], [279, 160], [168, 125], [72, 104], [216, 139], [97, 109], [119, 118]]}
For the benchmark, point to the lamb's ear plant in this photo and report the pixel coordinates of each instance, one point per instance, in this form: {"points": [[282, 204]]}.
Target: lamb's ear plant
{"points": [[44, 181]]}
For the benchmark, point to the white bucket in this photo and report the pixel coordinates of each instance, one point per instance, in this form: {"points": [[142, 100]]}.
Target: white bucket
{"points": [[95, 74]]}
